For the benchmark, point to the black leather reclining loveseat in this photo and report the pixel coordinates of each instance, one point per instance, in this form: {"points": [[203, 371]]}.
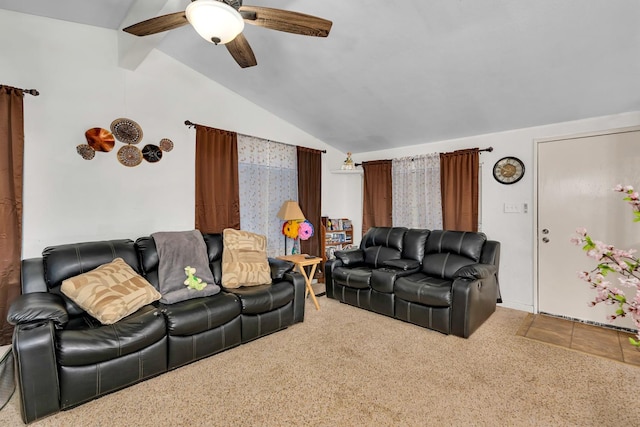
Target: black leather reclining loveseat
{"points": [[441, 280], [65, 357]]}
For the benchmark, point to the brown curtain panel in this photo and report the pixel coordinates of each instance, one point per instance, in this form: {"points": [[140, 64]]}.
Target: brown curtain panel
{"points": [[459, 186], [217, 185], [11, 169], [376, 200], [310, 195]]}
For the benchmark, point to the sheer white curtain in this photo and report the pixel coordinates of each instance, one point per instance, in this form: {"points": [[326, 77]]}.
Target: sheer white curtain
{"points": [[416, 192], [268, 175]]}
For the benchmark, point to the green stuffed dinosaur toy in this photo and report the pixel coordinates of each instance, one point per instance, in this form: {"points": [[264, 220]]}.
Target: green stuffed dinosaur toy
{"points": [[193, 282]]}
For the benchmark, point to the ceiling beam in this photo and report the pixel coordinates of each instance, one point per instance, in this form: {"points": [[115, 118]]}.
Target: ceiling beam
{"points": [[133, 50]]}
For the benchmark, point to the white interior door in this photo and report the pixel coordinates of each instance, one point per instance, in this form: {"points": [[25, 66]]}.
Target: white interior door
{"points": [[575, 180]]}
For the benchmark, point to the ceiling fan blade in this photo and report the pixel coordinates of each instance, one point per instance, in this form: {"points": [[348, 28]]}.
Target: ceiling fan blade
{"points": [[241, 51], [284, 20], [158, 24]]}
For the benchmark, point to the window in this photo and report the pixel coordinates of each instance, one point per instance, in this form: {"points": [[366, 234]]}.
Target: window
{"points": [[268, 175], [417, 202]]}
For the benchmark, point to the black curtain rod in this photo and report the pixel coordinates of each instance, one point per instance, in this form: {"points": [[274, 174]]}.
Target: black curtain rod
{"points": [[189, 123], [489, 149], [33, 92]]}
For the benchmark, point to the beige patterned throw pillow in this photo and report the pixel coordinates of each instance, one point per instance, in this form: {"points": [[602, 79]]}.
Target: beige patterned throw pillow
{"points": [[110, 292], [244, 259]]}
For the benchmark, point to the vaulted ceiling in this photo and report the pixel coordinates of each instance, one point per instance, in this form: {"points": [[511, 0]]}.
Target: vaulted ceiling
{"points": [[397, 73]]}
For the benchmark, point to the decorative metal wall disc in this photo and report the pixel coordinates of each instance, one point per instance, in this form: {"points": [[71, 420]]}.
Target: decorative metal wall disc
{"points": [[86, 151], [100, 139], [130, 155], [166, 144], [151, 153], [126, 130]]}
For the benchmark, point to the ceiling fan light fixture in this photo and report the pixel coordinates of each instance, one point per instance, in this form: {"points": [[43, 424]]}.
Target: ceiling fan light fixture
{"points": [[214, 20]]}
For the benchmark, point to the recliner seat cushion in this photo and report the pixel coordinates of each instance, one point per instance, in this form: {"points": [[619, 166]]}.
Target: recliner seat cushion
{"points": [[197, 315], [265, 298], [356, 277], [423, 289], [86, 345]]}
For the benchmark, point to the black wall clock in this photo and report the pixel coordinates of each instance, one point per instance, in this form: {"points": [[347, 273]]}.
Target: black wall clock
{"points": [[508, 170]]}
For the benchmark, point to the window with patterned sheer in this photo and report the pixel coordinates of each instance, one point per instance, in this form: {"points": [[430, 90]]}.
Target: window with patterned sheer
{"points": [[416, 200], [268, 175]]}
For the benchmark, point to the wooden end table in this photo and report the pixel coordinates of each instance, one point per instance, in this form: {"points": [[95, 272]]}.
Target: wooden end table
{"points": [[301, 261]]}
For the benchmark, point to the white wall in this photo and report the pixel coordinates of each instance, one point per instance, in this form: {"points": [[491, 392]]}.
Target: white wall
{"points": [[344, 198], [514, 230], [68, 199]]}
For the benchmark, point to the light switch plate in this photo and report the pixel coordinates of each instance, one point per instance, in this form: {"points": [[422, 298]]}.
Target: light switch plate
{"points": [[511, 208]]}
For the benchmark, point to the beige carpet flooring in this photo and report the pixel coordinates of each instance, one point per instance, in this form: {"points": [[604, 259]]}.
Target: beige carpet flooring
{"points": [[348, 367]]}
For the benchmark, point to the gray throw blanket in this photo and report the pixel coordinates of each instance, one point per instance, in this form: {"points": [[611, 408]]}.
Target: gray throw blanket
{"points": [[177, 250]]}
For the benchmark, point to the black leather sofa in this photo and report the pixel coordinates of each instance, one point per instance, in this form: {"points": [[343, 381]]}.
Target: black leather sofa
{"points": [[442, 280], [64, 357]]}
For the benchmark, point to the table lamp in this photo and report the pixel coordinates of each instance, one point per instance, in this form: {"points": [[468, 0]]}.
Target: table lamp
{"points": [[290, 211]]}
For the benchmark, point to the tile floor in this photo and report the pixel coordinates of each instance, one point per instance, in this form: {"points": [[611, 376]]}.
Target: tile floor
{"points": [[579, 336]]}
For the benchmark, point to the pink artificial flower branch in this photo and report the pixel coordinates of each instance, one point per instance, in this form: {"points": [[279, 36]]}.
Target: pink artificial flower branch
{"points": [[633, 198], [613, 260]]}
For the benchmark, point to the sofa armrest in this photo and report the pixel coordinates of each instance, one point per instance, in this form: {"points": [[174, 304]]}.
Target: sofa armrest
{"points": [[473, 301], [476, 271], [402, 264], [299, 290], [34, 350], [279, 268], [491, 255], [350, 257], [329, 266], [38, 306], [32, 276]]}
